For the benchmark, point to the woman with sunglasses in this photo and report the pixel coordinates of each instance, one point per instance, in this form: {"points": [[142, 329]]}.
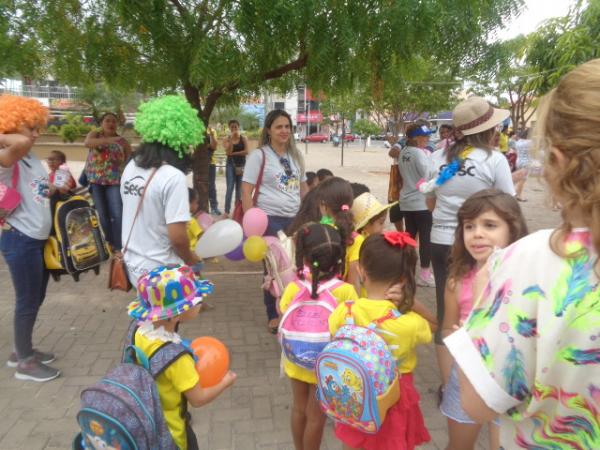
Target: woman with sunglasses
{"points": [[282, 186]]}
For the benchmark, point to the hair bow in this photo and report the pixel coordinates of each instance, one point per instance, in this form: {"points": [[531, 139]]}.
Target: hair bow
{"points": [[327, 220], [399, 239]]}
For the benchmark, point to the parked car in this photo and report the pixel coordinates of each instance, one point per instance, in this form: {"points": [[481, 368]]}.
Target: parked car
{"points": [[349, 137], [316, 137]]}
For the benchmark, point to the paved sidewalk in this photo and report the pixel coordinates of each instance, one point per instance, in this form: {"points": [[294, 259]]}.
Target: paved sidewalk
{"points": [[84, 324]]}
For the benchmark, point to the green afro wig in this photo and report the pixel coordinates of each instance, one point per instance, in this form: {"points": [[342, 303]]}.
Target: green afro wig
{"points": [[172, 121]]}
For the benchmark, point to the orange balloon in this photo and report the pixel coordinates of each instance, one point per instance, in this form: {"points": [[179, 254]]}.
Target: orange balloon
{"points": [[213, 360]]}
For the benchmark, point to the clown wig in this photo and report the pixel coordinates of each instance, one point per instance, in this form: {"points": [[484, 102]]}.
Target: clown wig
{"points": [[16, 112]]}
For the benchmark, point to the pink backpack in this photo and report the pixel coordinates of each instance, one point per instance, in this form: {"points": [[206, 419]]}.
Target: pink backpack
{"points": [[304, 327], [10, 198], [279, 263]]}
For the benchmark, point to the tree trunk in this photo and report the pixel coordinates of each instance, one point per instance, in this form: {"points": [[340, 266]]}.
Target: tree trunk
{"points": [[201, 155]]}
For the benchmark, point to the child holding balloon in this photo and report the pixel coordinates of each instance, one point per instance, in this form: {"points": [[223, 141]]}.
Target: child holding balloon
{"points": [[166, 297], [319, 259]]}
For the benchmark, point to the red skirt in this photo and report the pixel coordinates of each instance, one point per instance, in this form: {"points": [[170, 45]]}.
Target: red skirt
{"points": [[402, 429]]}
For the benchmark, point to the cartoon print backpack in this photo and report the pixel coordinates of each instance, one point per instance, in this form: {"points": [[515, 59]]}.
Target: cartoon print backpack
{"points": [[357, 377], [77, 243], [279, 265], [123, 410], [304, 327]]}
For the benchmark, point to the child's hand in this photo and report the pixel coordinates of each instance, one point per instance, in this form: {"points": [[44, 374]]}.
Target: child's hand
{"points": [[394, 293], [229, 378]]}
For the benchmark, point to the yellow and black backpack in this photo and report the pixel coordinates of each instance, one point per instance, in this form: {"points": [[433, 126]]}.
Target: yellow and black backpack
{"points": [[77, 243]]}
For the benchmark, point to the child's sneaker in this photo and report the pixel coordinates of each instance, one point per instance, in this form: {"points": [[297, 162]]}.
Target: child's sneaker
{"points": [[44, 358], [31, 369], [425, 278]]}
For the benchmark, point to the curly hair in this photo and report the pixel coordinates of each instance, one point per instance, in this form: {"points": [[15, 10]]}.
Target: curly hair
{"points": [[384, 263], [16, 112], [569, 122], [504, 205], [322, 249]]}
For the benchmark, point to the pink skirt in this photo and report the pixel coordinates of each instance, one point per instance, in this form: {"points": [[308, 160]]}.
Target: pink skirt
{"points": [[402, 429]]}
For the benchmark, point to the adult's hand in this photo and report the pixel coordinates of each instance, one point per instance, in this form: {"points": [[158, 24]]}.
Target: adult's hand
{"points": [[13, 147]]}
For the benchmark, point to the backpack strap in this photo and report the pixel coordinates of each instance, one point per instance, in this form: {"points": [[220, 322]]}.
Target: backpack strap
{"points": [[164, 356], [328, 285]]}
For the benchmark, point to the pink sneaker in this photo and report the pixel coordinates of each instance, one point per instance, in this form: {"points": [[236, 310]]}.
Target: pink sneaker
{"points": [[425, 278]]}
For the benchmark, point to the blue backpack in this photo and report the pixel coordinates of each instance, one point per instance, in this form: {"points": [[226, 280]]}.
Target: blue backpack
{"points": [[357, 377], [123, 410]]}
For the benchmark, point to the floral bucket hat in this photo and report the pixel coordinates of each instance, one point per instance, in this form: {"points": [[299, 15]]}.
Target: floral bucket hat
{"points": [[166, 292]]}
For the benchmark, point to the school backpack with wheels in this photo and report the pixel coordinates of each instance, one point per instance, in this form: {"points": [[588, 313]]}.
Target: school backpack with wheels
{"points": [[77, 243], [123, 409], [357, 376], [279, 265], [304, 327]]}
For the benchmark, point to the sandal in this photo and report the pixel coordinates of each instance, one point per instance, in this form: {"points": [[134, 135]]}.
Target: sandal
{"points": [[273, 325]]}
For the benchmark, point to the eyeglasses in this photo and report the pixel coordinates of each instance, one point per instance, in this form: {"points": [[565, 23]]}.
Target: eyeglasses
{"points": [[286, 166]]}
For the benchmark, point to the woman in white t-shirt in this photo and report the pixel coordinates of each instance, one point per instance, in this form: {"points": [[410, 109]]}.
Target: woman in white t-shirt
{"points": [[466, 167], [529, 351], [26, 229], [159, 234]]}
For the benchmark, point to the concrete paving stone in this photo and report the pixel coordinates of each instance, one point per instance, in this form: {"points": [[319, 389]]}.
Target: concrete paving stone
{"points": [[244, 441], [220, 435], [253, 425], [18, 434], [261, 407]]}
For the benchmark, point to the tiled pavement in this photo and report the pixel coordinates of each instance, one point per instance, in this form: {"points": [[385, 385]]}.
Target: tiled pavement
{"points": [[84, 324]]}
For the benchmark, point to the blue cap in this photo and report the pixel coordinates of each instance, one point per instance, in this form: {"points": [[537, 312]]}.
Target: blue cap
{"points": [[421, 131]]}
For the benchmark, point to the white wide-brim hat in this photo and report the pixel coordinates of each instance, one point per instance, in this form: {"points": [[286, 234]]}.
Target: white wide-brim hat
{"points": [[475, 115]]}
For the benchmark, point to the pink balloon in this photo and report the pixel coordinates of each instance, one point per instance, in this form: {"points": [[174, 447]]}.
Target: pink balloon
{"points": [[255, 222], [205, 220]]}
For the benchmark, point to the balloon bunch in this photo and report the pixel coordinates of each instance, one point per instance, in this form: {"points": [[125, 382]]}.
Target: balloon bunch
{"points": [[227, 237]]}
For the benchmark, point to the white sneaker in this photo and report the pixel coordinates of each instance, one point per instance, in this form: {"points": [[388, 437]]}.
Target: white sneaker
{"points": [[425, 278]]}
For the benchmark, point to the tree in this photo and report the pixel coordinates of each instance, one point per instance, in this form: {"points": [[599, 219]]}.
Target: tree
{"points": [[216, 51], [365, 128]]}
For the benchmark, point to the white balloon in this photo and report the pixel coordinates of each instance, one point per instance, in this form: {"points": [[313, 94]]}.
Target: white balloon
{"points": [[222, 237]]}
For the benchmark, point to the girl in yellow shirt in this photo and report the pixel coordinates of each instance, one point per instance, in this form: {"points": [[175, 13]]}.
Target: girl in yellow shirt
{"points": [[387, 260], [320, 255]]}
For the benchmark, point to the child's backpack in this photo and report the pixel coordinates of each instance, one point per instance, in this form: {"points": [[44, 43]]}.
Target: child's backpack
{"points": [[357, 377], [77, 243], [123, 409], [279, 265], [304, 327]]}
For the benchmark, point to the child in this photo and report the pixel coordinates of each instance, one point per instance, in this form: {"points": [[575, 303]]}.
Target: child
{"points": [[60, 175], [385, 260], [487, 220], [194, 230], [311, 180], [320, 253], [179, 383], [324, 174], [308, 212], [359, 188], [369, 215], [335, 199]]}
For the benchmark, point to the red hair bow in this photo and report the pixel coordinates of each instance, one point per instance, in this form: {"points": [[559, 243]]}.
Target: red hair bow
{"points": [[399, 239]]}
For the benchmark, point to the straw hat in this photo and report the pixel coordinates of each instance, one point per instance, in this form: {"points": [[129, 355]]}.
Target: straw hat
{"points": [[365, 207], [475, 115], [166, 292]]}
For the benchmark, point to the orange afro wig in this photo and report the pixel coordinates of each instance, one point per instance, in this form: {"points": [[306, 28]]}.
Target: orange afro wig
{"points": [[17, 111]]}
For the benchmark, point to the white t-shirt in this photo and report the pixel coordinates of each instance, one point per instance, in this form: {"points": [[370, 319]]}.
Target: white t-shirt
{"points": [[165, 202], [414, 165], [481, 170], [530, 345], [32, 217], [279, 194]]}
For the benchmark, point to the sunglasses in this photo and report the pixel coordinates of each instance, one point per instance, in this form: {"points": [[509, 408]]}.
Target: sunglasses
{"points": [[286, 166]]}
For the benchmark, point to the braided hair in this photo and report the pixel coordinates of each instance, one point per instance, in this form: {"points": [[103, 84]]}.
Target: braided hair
{"points": [[322, 248]]}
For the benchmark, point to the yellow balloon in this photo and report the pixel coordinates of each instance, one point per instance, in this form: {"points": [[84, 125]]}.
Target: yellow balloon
{"points": [[255, 248]]}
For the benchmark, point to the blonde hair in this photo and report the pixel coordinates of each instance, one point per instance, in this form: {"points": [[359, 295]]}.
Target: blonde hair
{"points": [[291, 146], [569, 121]]}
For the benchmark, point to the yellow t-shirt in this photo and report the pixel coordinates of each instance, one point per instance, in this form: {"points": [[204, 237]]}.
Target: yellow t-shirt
{"points": [[179, 377], [342, 293], [503, 143], [194, 231], [407, 331], [352, 253]]}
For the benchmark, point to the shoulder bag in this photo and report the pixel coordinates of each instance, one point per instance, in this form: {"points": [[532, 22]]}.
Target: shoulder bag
{"points": [[10, 198]]}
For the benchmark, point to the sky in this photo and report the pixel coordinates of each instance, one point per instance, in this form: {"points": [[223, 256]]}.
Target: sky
{"points": [[533, 14]]}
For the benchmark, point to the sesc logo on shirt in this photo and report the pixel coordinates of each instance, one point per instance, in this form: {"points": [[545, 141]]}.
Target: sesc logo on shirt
{"points": [[134, 186]]}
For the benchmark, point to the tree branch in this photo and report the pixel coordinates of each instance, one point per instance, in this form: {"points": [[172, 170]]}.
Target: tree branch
{"points": [[299, 63], [179, 7]]}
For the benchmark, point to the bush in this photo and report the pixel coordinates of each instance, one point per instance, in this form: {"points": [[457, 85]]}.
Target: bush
{"points": [[253, 134], [52, 129], [69, 132]]}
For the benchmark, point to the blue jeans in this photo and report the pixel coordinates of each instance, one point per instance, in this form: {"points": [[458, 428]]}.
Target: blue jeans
{"points": [[108, 203], [25, 259], [212, 187], [276, 223], [233, 181]]}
